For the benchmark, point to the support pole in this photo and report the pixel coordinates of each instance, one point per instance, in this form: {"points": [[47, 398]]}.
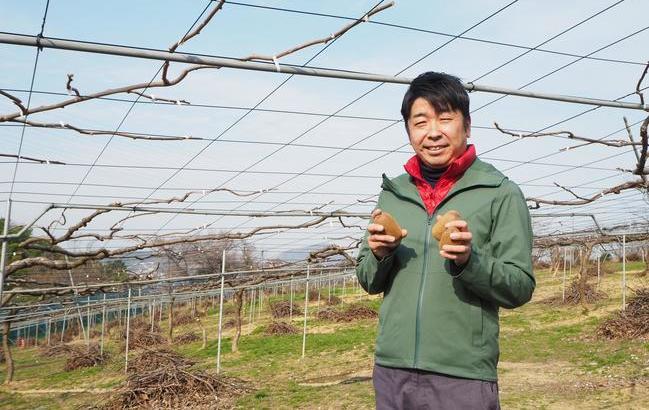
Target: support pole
{"points": [[103, 327], [290, 312], [65, 315], [76, 293], [623, 272], [306, 309], [598, 270], [565, 259], [218, 346], [128, 328], [88, 322]]}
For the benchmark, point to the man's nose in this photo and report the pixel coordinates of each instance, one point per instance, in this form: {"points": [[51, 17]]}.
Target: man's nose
{"points": [[433, 131]]}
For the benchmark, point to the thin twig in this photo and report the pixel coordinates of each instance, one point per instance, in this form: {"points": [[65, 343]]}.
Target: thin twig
{"points": [[15, 100], [70, 88], [41, 161], [189, 36], [637, 87], [130, 135], [323, 40]]}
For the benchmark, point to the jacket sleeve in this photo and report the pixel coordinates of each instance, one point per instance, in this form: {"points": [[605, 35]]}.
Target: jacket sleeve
{"points": [[373, 274], [502, 272]]}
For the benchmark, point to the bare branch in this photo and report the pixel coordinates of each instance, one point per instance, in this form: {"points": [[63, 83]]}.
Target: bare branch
{"points": [[583, 200], [15, 100], [196, 31], [323, 40], [41, 161], [156, 99], [569, 135], [570, 191], [165, 82], [635, 150], [348, 225], [134, 136], [640, 168], [333, 250], [70, 88], [637, 87]]}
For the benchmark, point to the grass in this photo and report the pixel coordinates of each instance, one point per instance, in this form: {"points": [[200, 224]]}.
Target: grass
{"points": [[550, 358]]}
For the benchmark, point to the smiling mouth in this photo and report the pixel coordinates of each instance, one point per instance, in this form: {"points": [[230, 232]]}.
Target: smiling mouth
{"points": [[436, 148]]}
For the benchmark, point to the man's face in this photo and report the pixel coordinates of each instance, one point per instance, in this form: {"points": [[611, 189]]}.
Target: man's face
{"points": [[437, 138]]}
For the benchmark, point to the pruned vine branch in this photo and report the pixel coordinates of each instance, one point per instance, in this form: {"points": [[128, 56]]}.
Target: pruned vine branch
{"points": [[134, 136], [165, 81], [586, 200], [39, 160], [324, 40]]}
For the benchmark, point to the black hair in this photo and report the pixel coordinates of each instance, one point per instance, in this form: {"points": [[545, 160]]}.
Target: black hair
{"points": [[443, 91]]}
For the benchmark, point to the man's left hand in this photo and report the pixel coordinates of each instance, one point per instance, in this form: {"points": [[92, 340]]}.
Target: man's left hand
{"points": [[458, 253]]}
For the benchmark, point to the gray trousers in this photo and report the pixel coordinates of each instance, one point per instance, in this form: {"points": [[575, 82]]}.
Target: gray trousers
{"points": [[417, 389]]}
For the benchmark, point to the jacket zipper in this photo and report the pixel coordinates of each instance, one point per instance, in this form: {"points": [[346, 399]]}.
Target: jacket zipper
{"points": [[422, 283]]}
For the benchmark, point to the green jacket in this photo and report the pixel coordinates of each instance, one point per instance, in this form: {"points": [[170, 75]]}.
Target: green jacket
{"points": [[435, 321]]}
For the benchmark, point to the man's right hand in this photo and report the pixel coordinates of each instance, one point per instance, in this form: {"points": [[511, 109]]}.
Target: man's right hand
{"points": [[380, 244]]}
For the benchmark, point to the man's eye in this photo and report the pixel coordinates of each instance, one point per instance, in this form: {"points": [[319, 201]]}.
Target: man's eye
{"points": [[420, 123], [446, 119]]}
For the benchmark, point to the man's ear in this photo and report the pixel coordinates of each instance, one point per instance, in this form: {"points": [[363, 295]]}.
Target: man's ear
{"points": [[467, 127]]}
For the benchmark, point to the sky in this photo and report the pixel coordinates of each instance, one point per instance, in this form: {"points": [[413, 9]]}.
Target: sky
{"points": [[315, 142]]}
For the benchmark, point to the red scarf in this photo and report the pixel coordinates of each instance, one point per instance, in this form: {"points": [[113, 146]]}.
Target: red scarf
{"points": [[433, 196]]}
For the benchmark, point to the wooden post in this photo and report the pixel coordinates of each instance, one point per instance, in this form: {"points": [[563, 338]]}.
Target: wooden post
{"points": [[171, 320]]}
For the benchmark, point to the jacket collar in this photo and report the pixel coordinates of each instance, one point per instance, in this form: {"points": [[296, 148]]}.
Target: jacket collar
{"points": [[479, 174], [453, 172]]}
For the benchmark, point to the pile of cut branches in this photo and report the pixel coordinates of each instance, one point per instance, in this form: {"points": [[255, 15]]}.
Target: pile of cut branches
{"points": [[349, 314], [282, 308], [56, 350], [85, 356], [187, 338], [182, 319], [577, 292], [161, 378], [631, 323], [333, 300], [313, 294], [280, 328], [141, 336]]}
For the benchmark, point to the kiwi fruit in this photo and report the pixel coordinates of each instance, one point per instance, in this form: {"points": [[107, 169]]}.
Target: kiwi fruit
{"points": [[443, 234], [390, 225]]}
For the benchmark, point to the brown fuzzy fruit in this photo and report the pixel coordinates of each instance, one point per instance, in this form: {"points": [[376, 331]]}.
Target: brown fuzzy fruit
{"points": [[390, 225], [443, 234]]}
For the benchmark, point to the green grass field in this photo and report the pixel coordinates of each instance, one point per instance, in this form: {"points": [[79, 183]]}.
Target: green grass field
{"points": [[550, 359]]}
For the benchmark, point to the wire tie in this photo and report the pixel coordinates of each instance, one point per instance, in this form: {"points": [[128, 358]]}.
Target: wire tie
{"points": [[366, 18], [62, 124], [519, 136], [153, 98], [276, 64]]}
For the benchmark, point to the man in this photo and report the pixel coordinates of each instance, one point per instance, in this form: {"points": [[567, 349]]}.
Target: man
{"points": [[437, 345]]}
